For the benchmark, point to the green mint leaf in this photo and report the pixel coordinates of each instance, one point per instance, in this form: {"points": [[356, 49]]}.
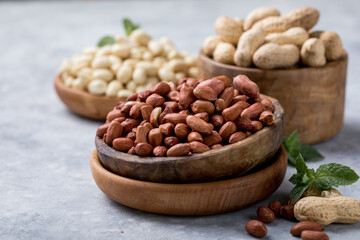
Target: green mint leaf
{"points": [[302, 168], [309, 153], [129, 26], [292, 160], [291, 144], [107, 40], [296, 179], [334, 175], [293, 147], [302, 179], [298, 191]]}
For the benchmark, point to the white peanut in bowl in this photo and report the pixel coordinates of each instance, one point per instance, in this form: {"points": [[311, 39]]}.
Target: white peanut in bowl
{"points": [[127, 66]]}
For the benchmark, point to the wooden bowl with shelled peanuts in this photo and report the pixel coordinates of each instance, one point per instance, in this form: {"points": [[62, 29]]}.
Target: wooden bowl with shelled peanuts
{"points": [[217, 168], [84, 103], [92, 82]]}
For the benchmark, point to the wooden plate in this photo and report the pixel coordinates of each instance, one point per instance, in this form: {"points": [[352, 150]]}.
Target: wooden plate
{"points": [[226, 162], [313, 98], [83, 103], [191, 198]]}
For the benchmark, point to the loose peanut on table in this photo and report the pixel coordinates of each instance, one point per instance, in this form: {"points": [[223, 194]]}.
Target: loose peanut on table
{"points": [[269, 40], [170, 120], [127, 66]]}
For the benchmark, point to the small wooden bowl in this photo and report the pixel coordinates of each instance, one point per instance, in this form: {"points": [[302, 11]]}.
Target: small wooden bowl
{"points": [[192, 198], [313, 98], [227, 162], [83, 103]]}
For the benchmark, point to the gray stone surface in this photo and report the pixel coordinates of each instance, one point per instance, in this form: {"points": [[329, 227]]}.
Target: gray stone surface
{"points": [[46, 188]]}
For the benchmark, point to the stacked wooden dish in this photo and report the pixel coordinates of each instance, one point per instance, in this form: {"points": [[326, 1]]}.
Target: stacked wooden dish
{"points": [[84, 103], [212, 182], [313, 98]]}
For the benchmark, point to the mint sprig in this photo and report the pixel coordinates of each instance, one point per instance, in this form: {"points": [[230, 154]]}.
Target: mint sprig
{"points": [[110, 40], [325, 177], [294, 147], [129, 26], [107, 40]]}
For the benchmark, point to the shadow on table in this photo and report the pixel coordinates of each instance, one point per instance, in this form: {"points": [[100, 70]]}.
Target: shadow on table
{"points": [[346, 141]]}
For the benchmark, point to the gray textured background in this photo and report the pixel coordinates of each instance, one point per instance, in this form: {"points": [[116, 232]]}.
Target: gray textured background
{"points": [[46, 188]]}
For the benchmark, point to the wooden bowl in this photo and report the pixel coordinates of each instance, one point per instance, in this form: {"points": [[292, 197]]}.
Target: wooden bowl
{"points": [[313, 98], [191, 198], [83, 103], [227, 162]]}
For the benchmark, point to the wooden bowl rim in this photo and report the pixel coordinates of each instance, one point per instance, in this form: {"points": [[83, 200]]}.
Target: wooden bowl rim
{"points": [[110, 152], [205, 58], [83, 94], [273, 167]]}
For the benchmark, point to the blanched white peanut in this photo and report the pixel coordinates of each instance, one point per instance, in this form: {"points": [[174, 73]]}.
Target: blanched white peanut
{"points": [[172, 54], [97, 87], [121, 39], [105, 50], [131, 86], [79, 83], [121, 50], [155, 47], [190, 61], [166, 74], [85, 73], [113, 88], [194, 72], [130, 62], [65, 66], [124, 74], [152, 80], [139, 76], [114, 59], [124, 93], [147, 55], [165, 40], [68, 81], [159, 61], [101, 62], [177, 65], [90, 50], [167, 48], [64, 75], [149, 67], [79, 62], [115, 67], [179, 75], [135, 53], [140, 37], [104, 74]]}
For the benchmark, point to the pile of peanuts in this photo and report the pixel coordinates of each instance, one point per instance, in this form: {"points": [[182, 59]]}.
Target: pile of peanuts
{"points": [[307, 230], [193, 117], [270, 41], [127, 66]]}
